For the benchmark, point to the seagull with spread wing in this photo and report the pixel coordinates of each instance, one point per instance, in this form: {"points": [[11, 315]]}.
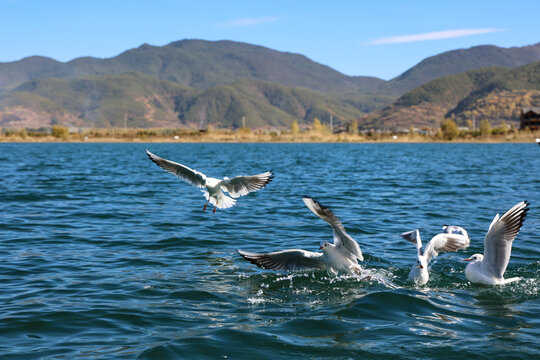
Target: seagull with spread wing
{"points": [[340, 257], [453, 238], [489, 268], [212, 188]]}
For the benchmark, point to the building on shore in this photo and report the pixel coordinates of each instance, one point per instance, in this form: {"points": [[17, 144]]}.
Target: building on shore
{"points": [[530, 118]]}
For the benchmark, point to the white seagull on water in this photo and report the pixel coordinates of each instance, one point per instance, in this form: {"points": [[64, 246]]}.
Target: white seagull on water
{"points": [[452, 239], [489, 268], [340, 257], [213, 188]]}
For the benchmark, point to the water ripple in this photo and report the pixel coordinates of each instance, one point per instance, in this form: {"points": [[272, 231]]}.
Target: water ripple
{"points": [[104, 260]]}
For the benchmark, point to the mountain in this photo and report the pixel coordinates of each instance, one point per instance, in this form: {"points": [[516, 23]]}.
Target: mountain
{"points": [[98, 101], [263, 104], [144, 101], [493, 93], [457, 61], [197, 82], [195, 63]]}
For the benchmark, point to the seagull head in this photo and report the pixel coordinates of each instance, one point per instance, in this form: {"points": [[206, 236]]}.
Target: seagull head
{"points": [[475, 258], [324, 245], [421, 262], [453, 229]]}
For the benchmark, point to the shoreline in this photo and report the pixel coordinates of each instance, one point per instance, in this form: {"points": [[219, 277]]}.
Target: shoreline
{"points": [[59, 134], [265, 141]]}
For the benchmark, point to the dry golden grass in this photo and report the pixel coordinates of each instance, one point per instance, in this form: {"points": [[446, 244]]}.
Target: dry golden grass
{"points": [[243, 135]]}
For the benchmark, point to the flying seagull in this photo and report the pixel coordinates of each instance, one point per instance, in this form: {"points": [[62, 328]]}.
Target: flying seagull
{"points": [[453, 238], [489, 268], [340, 257], [213, 188]]}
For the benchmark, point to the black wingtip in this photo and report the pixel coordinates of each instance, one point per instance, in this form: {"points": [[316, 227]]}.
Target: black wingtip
{"points": [[242, 254], [151, 157], [251, 258], [323, 207], [306, 197], [272, 175], [311, 198], [525, 210]]}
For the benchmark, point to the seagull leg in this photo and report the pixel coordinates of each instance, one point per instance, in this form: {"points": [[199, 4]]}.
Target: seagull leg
{"points": [[214, 210], [204, 208]]}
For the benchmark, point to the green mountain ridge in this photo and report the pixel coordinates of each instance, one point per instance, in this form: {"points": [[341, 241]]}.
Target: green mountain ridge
{"points": [[143, 101], [493, 93], [203, 64], [458, 61], [264, 104], [195, 63], [197, 82]]}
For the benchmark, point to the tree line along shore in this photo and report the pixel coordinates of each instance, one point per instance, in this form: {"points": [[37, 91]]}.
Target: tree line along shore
{"points": [[316, 132]]}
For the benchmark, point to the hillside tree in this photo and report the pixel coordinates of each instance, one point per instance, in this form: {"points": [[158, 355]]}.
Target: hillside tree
{"points": [[317, 126], [485, 128], [449, 129], [294, 127]]}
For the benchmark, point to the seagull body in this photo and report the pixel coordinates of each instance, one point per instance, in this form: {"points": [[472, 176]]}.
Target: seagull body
{"points": [[453, 239], [212, 188], [340, 257], [489, 268]]}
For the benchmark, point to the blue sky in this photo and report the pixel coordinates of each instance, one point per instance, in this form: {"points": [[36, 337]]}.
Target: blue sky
{"points": [[373, 38]]}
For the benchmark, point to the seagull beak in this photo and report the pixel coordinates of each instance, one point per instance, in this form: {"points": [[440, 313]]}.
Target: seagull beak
{"points": [[420, 266], [468, 259], [320, 247]]}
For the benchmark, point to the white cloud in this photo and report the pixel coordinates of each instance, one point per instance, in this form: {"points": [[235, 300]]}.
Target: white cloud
{"points": [[248, 22], [436, 35]]}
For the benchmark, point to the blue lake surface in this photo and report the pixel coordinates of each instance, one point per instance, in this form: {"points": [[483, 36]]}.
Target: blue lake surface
{"points": [[106, 256]]}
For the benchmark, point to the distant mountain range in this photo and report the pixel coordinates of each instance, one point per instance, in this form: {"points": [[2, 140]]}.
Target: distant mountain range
{"points": [[144, 101], [195, 63], [197, 83]]}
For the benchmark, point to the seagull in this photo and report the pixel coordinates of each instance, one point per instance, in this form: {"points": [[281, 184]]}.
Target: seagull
{"points": [[213, 188], [453, 238], [340, 257], [489, 268], [452, 229]]}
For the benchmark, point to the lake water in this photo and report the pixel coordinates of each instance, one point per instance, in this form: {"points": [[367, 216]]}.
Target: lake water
{"points": [[106, 256]]}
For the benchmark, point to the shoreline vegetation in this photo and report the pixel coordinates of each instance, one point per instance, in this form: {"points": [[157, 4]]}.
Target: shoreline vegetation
{"points": [[446, 133]]}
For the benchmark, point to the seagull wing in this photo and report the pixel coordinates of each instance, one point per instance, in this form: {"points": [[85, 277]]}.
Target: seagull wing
{"points": [[341, 238], [185, 173], [499, 238], [290, 260], [244, 184], [414, 237], [445, 243]]}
